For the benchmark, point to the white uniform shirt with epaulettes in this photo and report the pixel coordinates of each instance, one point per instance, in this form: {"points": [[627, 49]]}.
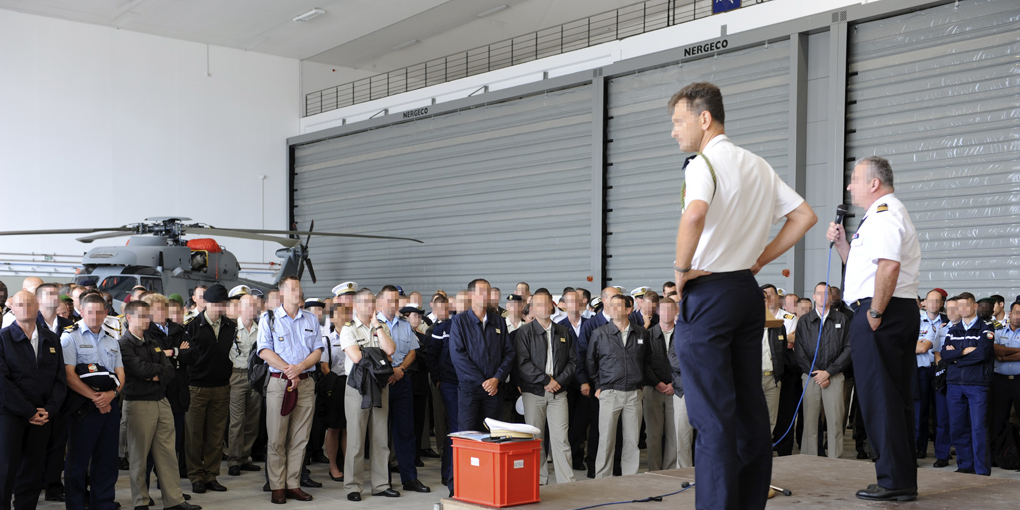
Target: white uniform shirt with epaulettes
{"points": [[114, 325], [81, 345], [885, 232], [789, 320], [292, 339], [334, 351], [244, 340], [358, 333]]}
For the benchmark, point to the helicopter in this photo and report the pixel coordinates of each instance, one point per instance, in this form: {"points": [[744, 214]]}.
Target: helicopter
{"points": [[158, 258]]}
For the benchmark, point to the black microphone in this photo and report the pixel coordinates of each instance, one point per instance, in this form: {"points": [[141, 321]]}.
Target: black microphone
{"points": [[841, 214]]}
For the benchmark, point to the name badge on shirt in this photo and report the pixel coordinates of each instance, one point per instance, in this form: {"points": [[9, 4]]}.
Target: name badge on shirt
{"points": [[839, 326], [563, 340], [497, 331], [640, 341], [85, 346], [52, 350], [158, 349], [781, 336]]}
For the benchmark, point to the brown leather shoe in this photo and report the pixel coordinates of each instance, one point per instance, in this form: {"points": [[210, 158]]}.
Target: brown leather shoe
{"points": [[299, 495], [279, 497]]}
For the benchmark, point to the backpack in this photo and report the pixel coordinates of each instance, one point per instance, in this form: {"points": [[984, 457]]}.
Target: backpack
{"points": [[1006, 448], [258, 369]]}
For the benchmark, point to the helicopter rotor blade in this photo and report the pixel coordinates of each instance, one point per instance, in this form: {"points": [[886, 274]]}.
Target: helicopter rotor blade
{"points": [[311, 270], [311, 227], [226, 232], [67, 231], [326, 234], [108, 235]]}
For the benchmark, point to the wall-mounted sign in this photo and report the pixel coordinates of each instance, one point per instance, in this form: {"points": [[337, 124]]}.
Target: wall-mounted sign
{"points": [[724, 5], [698, 49], [416, 113]]}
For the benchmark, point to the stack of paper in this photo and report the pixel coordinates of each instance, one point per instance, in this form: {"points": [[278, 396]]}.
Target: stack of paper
{"points": [[515, 430]]}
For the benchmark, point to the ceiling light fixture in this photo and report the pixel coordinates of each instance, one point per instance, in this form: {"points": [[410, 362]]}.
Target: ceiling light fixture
{"points": [[402, 46], [494, 10], [308, 16]]}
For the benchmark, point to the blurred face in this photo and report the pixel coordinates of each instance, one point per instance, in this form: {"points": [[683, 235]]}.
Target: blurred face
{"points": [[233, 310], [364, 307], [273, 300], [541, 307], [998, 307], [803, 307], [76, 296], [572, 302], [442, 310], [480, 296], [250, 308], [159, 312], [414, 319], [290, 293], [771, 298], [933, 302], [667, 314], [966, 307], [821, 296], [215, 310], [861, 186], [93, 315], [984, 310], [462, 302], [49, 299], [31, 283], [618, 310], [790, 303], [25, 307], [402, 301], [319, 313], [176, 312], [198, 297], [648, 307], [389, 303], [689, 126], [140, 320], [523, 291], [1014, 316], [953, 310], [494, 296], [514, 308], [342, 314], [64, 310], [346, 300], [666, 289]]}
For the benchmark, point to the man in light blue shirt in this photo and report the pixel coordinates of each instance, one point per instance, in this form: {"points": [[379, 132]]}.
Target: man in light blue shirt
{"points": [[925, 371], [290, 342], [1006, 381], [405, 443]]}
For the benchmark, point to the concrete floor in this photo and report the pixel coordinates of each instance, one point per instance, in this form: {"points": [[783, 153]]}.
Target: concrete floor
{"points": [[245, 491]]}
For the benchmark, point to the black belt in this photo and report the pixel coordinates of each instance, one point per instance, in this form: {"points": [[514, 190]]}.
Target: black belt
{"points": [[279, 375]]}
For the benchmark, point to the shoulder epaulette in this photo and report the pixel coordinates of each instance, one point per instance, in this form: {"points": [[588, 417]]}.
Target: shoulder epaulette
{"points": [[71, 327], [187, 320], [882, 208], [789, 316], [349, 323]]}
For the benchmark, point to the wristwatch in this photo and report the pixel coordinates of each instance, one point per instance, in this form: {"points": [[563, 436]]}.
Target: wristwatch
{"points": [[874, 314]]}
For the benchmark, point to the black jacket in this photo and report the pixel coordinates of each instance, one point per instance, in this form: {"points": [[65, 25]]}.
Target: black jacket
{"points": [[659, 370], [834, 353], [177, 392], [211, 366], [613, 366], [674, 366], [27, 380], [418, 371], [777, 344], [437, 355], [529, 363], [363, 378], [144, 360]]}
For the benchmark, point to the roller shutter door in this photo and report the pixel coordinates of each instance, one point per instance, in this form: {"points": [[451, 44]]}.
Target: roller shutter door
{"points": [[501, 192], [644, 176], [936, 93]]}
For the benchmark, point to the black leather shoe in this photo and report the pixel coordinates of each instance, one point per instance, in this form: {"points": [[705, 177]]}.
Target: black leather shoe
{"points": [[395, 468], [418, 463], [151, 502], [187, 497], [876, 492], [198, 487], [416, 486], [306, 481], [579, 465], [265, 488], [967, 471], [336, 478], [184, 506], [320, 458], [862, 455], [445, 481], [429, 453], [940, 463], [922, 455], [353, 496], [248, 466], [389, 493], [234, 471], [55, 494], [591, 471], [141, 508], [124, 464], [215, 486]]}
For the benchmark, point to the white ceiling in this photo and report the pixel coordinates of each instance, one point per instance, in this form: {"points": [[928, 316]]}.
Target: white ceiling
{"points": [[358, 34]]}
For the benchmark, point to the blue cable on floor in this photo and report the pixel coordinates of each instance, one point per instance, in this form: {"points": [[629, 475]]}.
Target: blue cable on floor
{"points": [[818, 344]]}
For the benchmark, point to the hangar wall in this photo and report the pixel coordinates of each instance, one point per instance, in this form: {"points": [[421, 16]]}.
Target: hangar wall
{"points": [[809, 125], [103, 127]]}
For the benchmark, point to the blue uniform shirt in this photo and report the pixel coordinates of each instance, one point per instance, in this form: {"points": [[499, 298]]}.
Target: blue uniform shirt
{"points": [[292, 339], [1009, 338], [928, 333], [403, 337], [81, 345]]}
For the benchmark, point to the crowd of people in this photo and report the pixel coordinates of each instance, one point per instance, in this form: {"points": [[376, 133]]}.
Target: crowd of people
{"points": [[174, 386]]}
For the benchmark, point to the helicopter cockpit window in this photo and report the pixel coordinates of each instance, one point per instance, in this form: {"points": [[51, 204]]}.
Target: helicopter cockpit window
{"points": [[199, 261], [153, 284], [118, 286]]}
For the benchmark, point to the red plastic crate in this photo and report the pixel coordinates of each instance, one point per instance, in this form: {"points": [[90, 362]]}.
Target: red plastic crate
{"points": [[496, 474]]}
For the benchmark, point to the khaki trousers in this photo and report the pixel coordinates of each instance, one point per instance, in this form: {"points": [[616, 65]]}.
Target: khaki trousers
{"points": [[360, 422], [684, 433], [204, 425], [287, 435], [657, 407], [245, 409], [771, 389], [831, 399], [614, 405], [552, 409], [150, 430]]}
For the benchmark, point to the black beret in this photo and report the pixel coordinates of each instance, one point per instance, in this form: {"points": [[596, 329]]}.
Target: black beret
{"points": [[408, 310], [215, 294]]}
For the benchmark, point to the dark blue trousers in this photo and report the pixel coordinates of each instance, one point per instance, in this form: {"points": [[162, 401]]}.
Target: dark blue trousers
{"points": [[968, 408], [92, 444], [449, 393], [475, 405], [1005, 393], [943, 436], [22, 459], [55, 450], [402, 420], [922, 406], [720, 359], [885, 367]]}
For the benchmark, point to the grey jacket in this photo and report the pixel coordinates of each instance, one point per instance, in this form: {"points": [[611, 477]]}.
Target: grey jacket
{"points": [[834, 352], [529, 363], [674, 365]]}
